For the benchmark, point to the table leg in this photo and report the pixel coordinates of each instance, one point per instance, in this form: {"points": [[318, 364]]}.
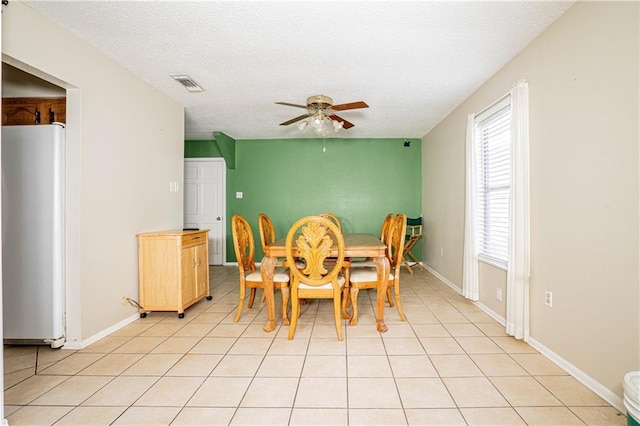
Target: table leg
{"points": [[382, 269], [267, 268]]}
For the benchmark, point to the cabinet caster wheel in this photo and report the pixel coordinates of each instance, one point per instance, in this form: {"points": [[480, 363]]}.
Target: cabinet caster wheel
{"points": [[209, 297], [181, 315], [143, 315]]}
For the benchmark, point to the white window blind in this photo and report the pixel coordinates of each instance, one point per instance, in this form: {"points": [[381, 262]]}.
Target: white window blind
{"points": [[494, 157]]}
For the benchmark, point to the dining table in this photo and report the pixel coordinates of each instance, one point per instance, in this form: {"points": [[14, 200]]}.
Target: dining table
{"points": [[356, 245]]}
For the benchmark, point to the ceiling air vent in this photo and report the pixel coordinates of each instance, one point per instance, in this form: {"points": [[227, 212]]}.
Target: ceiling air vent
{"points": [[187, 82]]}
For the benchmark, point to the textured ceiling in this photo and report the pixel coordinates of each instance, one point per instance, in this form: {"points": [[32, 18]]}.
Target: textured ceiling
{"points": [[413, 62]]}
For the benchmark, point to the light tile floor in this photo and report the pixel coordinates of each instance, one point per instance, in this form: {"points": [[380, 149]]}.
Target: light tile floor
{"points": [[450, 364]]}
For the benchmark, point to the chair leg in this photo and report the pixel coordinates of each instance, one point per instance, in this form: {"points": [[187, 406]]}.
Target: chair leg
{"points": [[336, 313], [240, 304], [390, 296], [409, 245], [295, 313], [415, 259], [345, 302], [285, 304], [354, 303], [252, 297], [403, 317], [405, 263]]}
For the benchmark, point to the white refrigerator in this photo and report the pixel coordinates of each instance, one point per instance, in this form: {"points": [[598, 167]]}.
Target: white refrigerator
{"points": [[32, 234]]}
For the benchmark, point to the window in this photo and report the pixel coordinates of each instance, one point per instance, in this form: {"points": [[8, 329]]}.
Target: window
{"points": [[493, 136]]}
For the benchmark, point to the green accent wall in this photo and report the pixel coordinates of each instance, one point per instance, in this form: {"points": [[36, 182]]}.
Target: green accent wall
{"points": [[227, 146], [359, 180], [197, 149]]}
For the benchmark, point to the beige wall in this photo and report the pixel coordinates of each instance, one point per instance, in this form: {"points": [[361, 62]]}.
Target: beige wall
{"points": [[18, 84], [124, 146], [493, 278], [583, 77]]}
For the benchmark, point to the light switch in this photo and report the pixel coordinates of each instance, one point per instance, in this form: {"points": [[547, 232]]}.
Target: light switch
{"points": [[238, 194]]}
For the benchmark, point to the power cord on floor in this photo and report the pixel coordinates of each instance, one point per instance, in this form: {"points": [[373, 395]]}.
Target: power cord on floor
{"points": [[128, 301]]}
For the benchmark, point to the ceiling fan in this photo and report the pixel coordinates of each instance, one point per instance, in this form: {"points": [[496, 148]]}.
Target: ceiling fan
{"points": [[320, 109]]}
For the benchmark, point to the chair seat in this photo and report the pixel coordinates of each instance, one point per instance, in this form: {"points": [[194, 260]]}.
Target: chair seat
{"points": [[278, 276], [341, 281], [365, 275]]}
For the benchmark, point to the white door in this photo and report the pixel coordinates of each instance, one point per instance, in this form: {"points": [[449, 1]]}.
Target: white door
{"points": [[204, 201]]}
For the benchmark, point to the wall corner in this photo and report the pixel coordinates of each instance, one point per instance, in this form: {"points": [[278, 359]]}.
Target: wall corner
{"points": [[227, 146]]}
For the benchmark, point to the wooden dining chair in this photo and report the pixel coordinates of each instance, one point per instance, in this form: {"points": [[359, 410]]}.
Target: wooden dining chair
{"points": [[244, 245], [313, 238], [384, 231], [333, 218], [386, 225], [267, 233], [361, 278], [268, 236]]}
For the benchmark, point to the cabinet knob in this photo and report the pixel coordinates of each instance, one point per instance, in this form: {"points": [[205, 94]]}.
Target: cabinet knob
{"points": [[218, 218]]}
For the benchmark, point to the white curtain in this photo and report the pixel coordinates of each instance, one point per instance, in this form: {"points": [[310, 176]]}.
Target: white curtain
{"points": [[470, 288], [518, 271]]}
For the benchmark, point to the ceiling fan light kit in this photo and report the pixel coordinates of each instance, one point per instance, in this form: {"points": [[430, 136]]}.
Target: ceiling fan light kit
{"points": [[321, 114]]}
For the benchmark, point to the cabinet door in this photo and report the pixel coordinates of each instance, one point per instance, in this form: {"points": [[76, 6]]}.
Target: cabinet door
{"points": [[188, 282], [159, 272], [202, 267]]}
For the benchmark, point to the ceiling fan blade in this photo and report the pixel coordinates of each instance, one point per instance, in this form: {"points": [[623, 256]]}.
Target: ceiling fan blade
{"points": [[350, 105], [293, 120], [345, 125], [293, 105]]}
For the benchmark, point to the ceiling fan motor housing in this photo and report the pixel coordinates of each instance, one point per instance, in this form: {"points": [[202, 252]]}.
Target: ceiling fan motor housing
{"points": [[319, 102]]}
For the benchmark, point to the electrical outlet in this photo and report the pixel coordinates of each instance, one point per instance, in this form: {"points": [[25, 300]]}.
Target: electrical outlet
{"points": [[548, 298], [499, 294], [125, 301]]}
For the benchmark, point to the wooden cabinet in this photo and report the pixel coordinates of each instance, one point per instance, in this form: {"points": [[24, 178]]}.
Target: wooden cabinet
{"points": [[173, 268], [21, 111]]}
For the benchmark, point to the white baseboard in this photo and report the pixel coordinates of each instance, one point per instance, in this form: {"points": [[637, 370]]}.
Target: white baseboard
{"points": [[104, 333], [442, 278], [491, 313], [580, 375], [596, 387]]}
